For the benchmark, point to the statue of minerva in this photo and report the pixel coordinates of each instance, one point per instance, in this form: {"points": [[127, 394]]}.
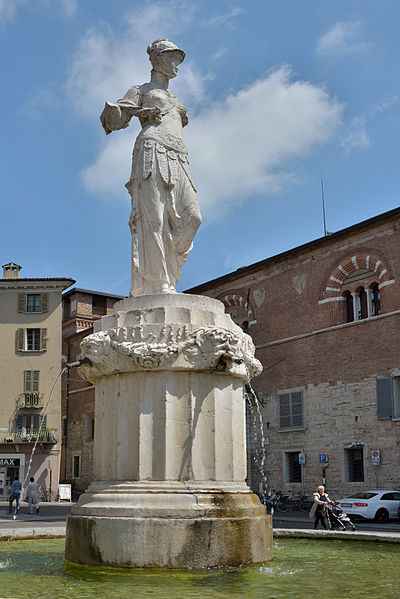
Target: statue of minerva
{"points": [[165, 213]]}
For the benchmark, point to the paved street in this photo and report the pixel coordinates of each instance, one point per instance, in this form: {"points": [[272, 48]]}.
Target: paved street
{"points": [[300, 520], [55, 513], [50, 514]]}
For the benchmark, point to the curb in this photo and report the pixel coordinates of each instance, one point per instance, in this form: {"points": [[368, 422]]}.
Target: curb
{"points": [[56, 532], [292, 533], [13, 534]]}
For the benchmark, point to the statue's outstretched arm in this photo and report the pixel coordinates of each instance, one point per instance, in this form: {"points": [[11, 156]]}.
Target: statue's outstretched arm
{"points": [[118, 115]]}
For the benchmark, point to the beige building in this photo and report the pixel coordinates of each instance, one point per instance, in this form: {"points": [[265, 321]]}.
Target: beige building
{"points": [[30, 361]]}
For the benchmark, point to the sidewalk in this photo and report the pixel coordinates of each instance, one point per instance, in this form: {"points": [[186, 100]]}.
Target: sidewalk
{"points": [[48, 523]]}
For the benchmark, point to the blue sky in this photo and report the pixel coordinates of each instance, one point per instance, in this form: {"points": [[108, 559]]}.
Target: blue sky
{"points": [[278, 94]]}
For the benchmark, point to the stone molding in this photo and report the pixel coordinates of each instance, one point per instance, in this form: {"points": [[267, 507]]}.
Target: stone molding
{"points": [[169, 347]]}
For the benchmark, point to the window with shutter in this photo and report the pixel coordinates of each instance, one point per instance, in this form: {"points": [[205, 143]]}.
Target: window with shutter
{"points": [[28, 381], [384, 397], [43, 339], [19, 421], [291, 410], [284, 411], [43, 422], [297, 409], [31, 381], [33, 339], [35, 380], [20, 339], [45, 302], [33, 302], [21, 302]]}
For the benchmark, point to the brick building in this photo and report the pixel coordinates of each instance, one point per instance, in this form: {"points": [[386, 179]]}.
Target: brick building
{"points": [[30, 362], [325, 319], [81, 308]]}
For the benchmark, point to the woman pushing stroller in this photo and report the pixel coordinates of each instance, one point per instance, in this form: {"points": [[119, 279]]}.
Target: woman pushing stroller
{"points": [[318, 509]]}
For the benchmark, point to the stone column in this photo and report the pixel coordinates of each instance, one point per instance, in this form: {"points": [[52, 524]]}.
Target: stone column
{"points": [[169, 448]]}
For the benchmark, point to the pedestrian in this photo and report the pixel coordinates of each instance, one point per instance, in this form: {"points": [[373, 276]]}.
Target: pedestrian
{"points": [[15, 493], [318, 510], [32, 493]]}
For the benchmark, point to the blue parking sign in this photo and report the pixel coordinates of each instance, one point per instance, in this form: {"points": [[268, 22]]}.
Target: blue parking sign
{"points": [[323, 458]]}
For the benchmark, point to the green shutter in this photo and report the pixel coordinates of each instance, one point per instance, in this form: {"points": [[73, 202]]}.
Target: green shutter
{"points": [[44, 302], [43, 339], [19, 421], [21, 302], [20, 339], [384, 397], [284, 411]]}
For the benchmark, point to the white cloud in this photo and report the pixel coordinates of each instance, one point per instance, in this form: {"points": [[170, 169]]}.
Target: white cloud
{"points": [[69, 7], [355, 135], [35, 103], [225, 18], [240, 146], [8, 10], [106, 64], [342, 38], [244, 145]]}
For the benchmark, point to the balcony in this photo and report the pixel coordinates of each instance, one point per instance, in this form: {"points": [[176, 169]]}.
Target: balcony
{"points": [[30, 400], [23, 435]]}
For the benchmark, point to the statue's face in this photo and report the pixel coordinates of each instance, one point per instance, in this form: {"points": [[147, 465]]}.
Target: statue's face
{"points": [[168, 63]]}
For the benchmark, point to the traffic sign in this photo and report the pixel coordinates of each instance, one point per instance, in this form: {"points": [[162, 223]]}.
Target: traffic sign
{"points": [[302, 458], [376, 457], [323, 459]]}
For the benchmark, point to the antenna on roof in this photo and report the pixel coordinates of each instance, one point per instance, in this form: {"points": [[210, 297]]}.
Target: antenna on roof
{"points": [[323, 206]]}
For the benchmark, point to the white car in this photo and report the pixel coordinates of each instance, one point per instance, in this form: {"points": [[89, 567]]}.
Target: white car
{"points": [[374, 505]]}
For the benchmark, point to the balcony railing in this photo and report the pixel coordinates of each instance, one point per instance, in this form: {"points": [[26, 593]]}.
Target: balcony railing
{"points": [[28, 435], [30, 400]]}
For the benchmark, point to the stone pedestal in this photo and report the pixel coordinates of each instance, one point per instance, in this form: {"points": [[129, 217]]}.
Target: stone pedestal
{"points": [[169, 452]]}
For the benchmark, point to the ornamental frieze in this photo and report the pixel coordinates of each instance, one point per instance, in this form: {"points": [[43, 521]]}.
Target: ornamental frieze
{"points": [[151, 347]]}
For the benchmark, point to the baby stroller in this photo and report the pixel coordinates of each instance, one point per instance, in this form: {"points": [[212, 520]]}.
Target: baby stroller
{"points": [[337, 519]]}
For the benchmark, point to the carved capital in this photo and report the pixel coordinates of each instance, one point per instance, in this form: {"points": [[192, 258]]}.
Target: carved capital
{"points": [[169, 347]]}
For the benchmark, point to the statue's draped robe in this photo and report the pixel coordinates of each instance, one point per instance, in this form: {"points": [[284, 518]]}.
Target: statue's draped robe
{"points": [[165, 214]]}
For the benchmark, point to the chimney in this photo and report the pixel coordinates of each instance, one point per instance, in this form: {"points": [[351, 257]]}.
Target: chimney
{"points": [[11, 271]]}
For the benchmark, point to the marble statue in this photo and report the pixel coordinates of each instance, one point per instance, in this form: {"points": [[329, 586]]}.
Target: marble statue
{"points": [[165, 213], [169, 371]]}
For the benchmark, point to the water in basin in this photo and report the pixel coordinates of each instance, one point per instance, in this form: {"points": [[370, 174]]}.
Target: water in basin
{"points": [[300, 569]]}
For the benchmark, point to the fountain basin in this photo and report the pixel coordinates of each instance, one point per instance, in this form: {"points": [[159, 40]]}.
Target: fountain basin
{"points": [[301, 568]]}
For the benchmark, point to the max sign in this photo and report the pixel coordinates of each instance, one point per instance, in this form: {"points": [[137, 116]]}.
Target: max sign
{"points": [[9, 462]]}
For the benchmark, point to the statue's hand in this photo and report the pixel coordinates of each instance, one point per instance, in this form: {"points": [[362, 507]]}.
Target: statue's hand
{"points": [[155, 115]]}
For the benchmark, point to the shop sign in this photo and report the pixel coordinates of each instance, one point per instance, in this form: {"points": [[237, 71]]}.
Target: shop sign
{"points": [[9, 462], [64, 492]]}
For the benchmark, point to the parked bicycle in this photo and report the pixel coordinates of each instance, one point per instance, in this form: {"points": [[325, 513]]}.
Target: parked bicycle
{"points": [[47, 495], [290, 502]]}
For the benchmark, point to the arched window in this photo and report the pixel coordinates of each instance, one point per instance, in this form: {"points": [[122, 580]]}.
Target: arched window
{"points": [[375, 299], [349, 306], [361, 299]]}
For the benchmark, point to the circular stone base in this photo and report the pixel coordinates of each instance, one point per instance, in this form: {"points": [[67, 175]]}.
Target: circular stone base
{"points": [[158, 542], [221, 536]]}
